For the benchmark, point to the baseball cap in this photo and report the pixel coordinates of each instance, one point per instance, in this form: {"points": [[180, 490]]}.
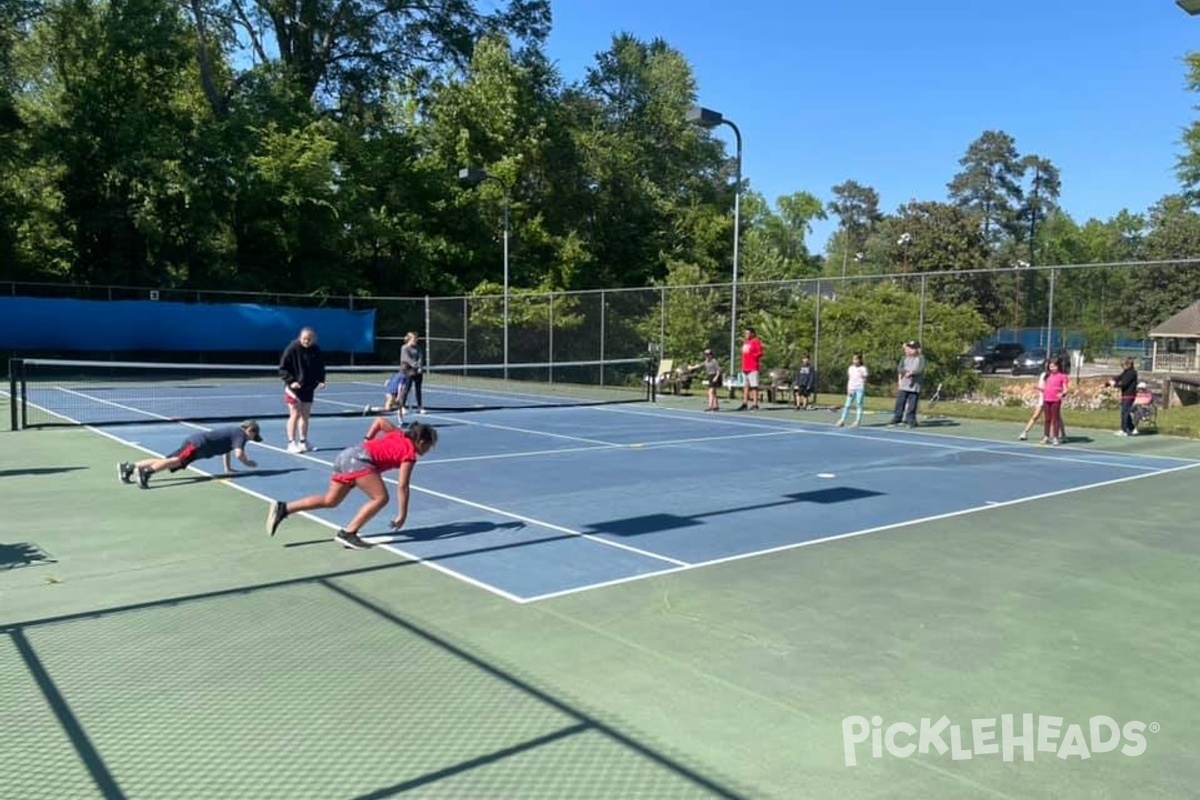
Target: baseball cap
{"points": [[250, 426], [913, 343], [708, 351]]}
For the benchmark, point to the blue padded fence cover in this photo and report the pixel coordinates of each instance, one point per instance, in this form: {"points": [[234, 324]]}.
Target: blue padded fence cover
{"points": [[35, 323]]}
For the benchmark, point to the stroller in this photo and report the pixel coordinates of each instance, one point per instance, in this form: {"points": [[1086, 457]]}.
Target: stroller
{"points": [[1144, 412]]}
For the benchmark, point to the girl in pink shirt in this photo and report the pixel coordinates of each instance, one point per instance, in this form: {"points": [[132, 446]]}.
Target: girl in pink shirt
{"points": [[1055, 386]]}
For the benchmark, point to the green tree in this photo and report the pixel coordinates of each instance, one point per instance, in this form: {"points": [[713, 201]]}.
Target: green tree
{"points": [[1040, 200], [334, 50], [1157, 292], [857, 208], [990, 184], [939, 238]]}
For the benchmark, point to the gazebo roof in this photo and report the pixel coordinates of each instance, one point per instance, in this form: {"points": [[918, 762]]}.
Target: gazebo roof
{"points": [[1185, 324]]}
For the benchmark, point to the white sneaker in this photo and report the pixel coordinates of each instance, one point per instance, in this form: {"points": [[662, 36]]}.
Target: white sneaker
{"points": [[1022, 438], [305, 447], [294, 447], [421, 410], [1120, 433], [1133, 432]]}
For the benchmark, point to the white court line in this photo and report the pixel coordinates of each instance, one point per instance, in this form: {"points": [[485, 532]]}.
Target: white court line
{"points": [[233, 484], [890, 526], [907, 438], [544, 400], [679, 565], [875, 433], [523, 454], [431, 492], [514, 429]]}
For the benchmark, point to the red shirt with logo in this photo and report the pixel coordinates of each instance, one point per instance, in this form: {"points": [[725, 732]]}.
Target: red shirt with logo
{"points": [[752, 351], [390, 451]]}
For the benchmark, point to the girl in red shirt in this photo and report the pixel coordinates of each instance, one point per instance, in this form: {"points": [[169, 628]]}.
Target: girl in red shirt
{"points": [[363, 465]]}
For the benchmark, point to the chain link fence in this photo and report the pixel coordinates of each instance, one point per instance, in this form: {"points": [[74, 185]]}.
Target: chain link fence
{"points": [[1103, 310]]}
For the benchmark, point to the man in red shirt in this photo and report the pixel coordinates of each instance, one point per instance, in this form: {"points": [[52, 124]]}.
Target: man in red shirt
{"points": [[752, 352]]}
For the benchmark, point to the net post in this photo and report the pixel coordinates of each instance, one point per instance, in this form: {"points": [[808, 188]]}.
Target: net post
{"points": [[350, 301], [651, 373], [14, 365]]}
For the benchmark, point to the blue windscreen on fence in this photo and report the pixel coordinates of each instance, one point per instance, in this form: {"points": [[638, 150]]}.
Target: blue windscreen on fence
{"points": [[35, 323]]}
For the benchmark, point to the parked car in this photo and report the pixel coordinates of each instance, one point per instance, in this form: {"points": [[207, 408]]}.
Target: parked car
{"points": [[989, 358], [1033, 362]]}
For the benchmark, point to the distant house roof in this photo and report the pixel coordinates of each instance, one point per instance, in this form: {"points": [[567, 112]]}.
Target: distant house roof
{"points": [[1184, 324]]}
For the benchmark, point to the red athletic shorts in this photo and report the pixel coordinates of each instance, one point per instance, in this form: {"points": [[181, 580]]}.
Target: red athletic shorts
{"points": [[294, 396], [187, 453], [351, 464]]}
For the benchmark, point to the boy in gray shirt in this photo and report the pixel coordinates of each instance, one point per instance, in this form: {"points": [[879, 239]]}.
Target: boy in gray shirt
{"points": [[911, 373], [205, 444]]}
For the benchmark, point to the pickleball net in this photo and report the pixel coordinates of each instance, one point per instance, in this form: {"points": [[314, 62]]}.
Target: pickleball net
{"points": [[50, 392]]}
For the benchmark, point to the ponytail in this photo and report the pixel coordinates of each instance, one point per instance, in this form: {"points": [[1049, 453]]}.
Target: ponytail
{"points": [[420, 433]]}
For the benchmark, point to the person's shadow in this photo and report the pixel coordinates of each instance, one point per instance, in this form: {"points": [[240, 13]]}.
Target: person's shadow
{"points": [[454, 529], [429, 533], [187, 480]]}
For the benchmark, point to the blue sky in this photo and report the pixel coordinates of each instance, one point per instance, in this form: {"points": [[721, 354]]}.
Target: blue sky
{"points": [[891, 93]]}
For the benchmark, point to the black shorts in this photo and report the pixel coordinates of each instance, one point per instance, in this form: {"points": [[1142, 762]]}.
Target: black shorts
{"points": [[302, 395]]}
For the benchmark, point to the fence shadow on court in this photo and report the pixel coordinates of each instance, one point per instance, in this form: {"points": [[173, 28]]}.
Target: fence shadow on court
{"points": [[30, 471], [478, 724], [655, 523]]}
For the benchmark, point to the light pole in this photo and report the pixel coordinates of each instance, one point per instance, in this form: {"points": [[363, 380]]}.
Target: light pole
{"points": [[474, 177], [707, 118]]}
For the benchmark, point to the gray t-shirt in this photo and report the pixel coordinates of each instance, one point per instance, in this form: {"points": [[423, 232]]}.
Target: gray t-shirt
{"points": [[411, 362], [915, 365], [218, 442]]}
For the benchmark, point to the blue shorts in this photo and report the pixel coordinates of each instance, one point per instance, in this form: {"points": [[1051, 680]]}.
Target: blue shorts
{"points": [[395, 384]]}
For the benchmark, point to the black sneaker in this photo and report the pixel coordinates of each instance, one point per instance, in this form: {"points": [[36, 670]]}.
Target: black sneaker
{"points": [[275, 516], [350, 541], [125, 472], [144, 477], [742, 407]]}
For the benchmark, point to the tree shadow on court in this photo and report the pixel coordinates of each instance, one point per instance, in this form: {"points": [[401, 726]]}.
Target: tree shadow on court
{"points": [[22, 554], [654, 523], [13, 473], [187, 480]]}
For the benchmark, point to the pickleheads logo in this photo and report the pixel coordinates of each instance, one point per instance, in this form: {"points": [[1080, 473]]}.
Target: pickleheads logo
{"points": [[983, 737]]}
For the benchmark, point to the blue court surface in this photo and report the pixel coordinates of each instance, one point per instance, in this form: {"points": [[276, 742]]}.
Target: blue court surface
{"points": [[532, 504]]}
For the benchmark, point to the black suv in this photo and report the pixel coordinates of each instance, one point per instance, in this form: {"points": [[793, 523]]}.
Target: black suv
{"points": [[989, 358], [1034, 361]]}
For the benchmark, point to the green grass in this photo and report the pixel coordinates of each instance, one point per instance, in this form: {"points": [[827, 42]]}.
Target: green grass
{"points": [[1176, 421]]}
